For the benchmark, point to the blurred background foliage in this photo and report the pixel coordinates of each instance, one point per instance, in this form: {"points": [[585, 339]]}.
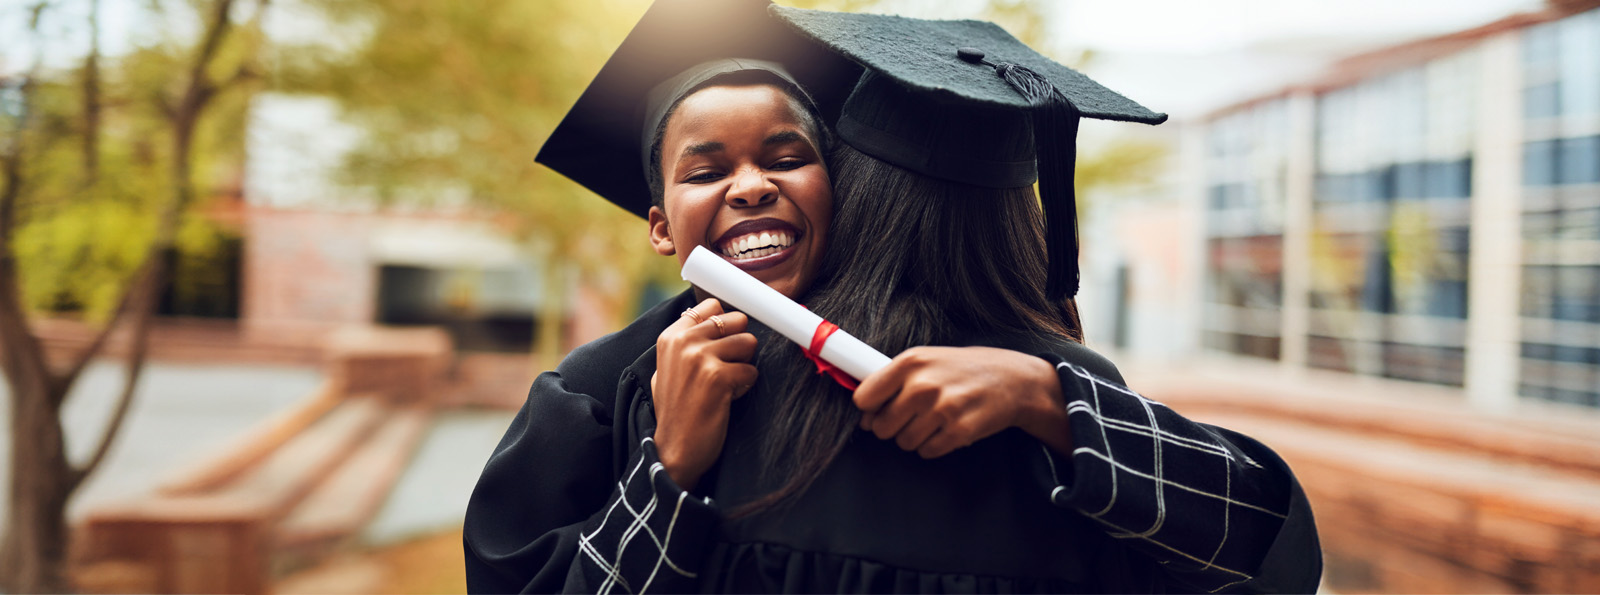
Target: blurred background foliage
{"points": [[97, 164], [453, 101]]}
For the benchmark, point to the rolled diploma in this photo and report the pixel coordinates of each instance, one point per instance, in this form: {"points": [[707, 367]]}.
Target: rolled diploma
{"points": [[721, 279]]}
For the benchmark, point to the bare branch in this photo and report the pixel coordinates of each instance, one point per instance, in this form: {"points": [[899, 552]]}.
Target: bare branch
{"points": [[142, 307], [11, 162], [35, 13], [245, 73], [18, 345], [141, 304], [91, 100], [71, 372], [23, 354], [200, 87]]}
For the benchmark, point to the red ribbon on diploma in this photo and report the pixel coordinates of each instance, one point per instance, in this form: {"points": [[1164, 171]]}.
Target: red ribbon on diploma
{"points": [[814, 353]]}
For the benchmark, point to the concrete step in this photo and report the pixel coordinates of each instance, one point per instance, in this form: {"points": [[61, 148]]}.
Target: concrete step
{"points": [[348, 498], [289, 473], [307, 477], [211, 528], [1422, 517], [251, 448]]}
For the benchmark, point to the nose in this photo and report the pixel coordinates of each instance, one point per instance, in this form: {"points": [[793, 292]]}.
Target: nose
{"points": [[750, 188]]}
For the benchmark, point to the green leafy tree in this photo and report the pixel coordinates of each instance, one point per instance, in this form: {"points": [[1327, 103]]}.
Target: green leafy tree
{"points": [[99, 171], [457, 98]]}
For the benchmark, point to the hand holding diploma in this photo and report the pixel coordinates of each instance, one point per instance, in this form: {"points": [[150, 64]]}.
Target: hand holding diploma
{"points": [[702, 365], [720, 278], [934, 400], [929, 400]]}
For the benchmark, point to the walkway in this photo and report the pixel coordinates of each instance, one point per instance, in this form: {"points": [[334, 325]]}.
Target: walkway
{"points": [[181, 414]]}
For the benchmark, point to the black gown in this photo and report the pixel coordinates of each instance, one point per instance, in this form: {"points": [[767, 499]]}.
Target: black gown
{"points": [[575, 499]]}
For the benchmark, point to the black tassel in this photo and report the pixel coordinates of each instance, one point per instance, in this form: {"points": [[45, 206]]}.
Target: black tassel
{"points": [[1055, 130]]}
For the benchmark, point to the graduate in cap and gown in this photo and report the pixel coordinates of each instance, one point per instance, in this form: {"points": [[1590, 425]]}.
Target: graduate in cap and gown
{"points": [[1073, 483], [701, 124], [1008, 457]]}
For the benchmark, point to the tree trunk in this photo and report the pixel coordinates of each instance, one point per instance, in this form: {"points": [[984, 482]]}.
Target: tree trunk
{"points": [[36, 531], [33, 553], [41, 479]]}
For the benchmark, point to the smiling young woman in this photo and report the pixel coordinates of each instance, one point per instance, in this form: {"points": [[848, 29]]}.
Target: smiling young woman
{"points": [[742, 174], [738, 160], [611, 446]]}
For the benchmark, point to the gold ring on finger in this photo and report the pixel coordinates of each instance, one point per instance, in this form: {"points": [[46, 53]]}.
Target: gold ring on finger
{"points": [[721, 330], [692, 315]]}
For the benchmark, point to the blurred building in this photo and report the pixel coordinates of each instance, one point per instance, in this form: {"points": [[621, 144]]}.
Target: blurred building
{"points": [[316, 253], [1389, 272], [1428, 212]]}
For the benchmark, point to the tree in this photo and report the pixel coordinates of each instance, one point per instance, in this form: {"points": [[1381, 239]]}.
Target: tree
{"points": [[455, 100], [48, 214]]}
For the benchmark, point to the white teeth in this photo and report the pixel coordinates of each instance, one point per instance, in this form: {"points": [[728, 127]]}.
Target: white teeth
{"points": [[757, 245]]}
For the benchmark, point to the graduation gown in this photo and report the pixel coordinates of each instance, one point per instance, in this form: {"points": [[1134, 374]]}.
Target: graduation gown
{"points": [[574, 498]]}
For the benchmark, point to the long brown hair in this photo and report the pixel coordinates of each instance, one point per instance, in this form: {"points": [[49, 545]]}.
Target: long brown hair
{"points": [[911, 260]]}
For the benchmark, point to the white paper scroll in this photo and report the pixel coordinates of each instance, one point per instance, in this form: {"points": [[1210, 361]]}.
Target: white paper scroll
{"points": [[721, 279]]}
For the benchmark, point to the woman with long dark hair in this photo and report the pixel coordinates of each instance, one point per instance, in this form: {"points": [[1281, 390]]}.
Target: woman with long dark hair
{"points": [[1000, 454], [1003, 455]]}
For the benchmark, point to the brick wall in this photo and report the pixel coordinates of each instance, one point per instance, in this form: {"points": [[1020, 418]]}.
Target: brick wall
{"points": [[307, 267]]}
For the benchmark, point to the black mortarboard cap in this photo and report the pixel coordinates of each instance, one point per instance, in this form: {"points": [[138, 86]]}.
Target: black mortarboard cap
{"points": [[600, 142], [965, 101]]}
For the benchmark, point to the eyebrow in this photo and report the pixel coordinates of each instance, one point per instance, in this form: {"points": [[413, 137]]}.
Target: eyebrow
{"points": [[780, 138], [785, 137], [702, 149]]}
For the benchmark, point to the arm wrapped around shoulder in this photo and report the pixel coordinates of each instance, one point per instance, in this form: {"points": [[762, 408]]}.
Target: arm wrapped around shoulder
{"points": [[1220, 510]]}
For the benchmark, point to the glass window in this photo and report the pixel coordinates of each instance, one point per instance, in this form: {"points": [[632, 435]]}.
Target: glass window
{"points": [[1578, 294], [1448, 179], [1408, 180], [1447, 298], [1538, 291], [1579, 161], [1375, 293], [1539, 163], [1542, 100]]}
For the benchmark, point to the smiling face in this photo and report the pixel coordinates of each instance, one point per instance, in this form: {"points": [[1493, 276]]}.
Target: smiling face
{"points": [[743, 176]]}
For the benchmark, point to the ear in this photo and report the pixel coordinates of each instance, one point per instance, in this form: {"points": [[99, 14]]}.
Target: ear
{"points": [[661, 232]]}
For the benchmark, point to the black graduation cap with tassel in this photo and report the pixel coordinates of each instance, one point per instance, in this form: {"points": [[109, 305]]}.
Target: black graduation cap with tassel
{"points": [[965, 101]]}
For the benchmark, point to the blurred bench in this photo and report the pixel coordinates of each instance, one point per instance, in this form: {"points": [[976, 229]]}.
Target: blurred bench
{"points": [[297, 487], [1414, 492]]}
